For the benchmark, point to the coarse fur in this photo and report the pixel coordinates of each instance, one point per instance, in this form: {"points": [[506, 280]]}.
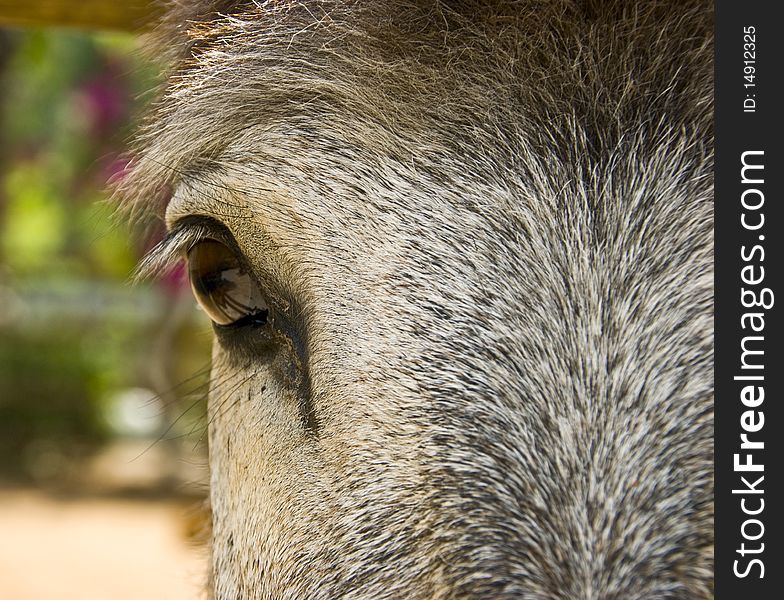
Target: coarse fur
{"points": [[487, 227]]}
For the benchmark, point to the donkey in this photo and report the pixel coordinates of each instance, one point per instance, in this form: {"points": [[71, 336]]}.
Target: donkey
{"points": [[458, 257]]}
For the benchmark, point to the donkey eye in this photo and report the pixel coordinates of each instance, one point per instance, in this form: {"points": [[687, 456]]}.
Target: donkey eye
{"points": [[223, 287]]}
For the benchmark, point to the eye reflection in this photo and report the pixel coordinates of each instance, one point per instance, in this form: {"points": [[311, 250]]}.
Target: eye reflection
{"points": [[223, 288]]}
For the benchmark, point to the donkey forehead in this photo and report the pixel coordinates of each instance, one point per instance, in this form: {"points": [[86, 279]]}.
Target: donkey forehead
{"points": [[322, 155], [421, 101], [303, 129], [308, 179]]}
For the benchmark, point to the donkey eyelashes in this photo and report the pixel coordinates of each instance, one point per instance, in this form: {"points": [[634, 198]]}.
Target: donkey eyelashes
{"points": [[184, 234], [165, 255]]}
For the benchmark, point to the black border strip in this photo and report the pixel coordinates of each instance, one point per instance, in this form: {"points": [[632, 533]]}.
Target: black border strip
{"points": [[755, 126]]}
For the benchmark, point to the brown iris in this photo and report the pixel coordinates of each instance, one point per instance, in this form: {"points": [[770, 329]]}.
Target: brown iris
{"points": [[222, 286]]}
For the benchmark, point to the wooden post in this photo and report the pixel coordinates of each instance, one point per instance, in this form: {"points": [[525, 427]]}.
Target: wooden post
{"points": [[124, 15]]}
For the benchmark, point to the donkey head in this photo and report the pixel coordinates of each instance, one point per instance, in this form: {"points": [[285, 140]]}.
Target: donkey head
{"points": [[458, 256]]}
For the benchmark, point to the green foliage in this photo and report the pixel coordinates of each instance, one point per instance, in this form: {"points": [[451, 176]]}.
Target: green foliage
{"points": [[47, 392], [67, 110], [73, 333], [35, 222]]}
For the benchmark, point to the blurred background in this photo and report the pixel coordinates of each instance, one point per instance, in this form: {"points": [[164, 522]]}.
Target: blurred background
{"points": [[102, 382]]}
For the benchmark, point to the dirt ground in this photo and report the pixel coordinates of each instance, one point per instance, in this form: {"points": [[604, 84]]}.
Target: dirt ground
{"points": [[96, 549]]}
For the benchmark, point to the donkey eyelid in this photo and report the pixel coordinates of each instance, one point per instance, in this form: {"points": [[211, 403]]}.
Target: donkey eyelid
{"points": [[196, 228], [183, 235]]}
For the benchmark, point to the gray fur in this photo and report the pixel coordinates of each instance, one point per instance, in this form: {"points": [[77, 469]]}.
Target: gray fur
{"points": [[489, 225]]}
